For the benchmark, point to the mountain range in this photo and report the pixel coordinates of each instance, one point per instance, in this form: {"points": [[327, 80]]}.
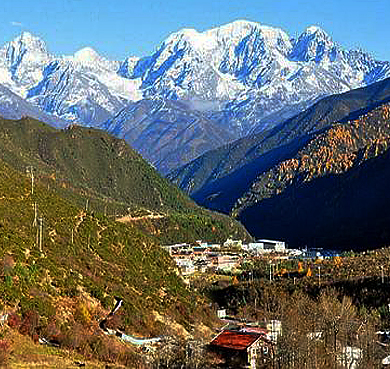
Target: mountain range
{"points": [[198, 90]]}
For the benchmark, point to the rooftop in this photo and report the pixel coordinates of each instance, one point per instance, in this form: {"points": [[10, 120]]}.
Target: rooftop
{"points": [[235, 340]]}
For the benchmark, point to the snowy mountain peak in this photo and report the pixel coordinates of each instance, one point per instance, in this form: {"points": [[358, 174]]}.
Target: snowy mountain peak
{"points": [[240, 27], [29, 45], [234, 28], [189, 38], [27, 37], [313, 45], [24, 58], [86, 55], [315, 30], [228, 34], [88, 58]]}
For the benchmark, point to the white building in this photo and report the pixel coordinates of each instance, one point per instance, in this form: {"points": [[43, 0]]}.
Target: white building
{"points": [[186, 266], [267, 246]]}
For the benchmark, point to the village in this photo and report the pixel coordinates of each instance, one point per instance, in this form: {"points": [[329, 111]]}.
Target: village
{"points": [[203, 257]]}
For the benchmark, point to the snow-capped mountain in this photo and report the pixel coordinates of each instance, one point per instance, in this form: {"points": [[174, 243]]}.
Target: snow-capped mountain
{"points": [[22, 61], [257, 70], [83, 88], [240, 78]]}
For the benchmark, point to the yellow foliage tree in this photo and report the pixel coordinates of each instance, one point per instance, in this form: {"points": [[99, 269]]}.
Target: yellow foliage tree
{"points": [[309, 272], [234, 281], [300, 267], [337, 261]]}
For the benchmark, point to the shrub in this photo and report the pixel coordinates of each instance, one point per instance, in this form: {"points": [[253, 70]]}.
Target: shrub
{"points": [[41, 304], [109, 351], [29, 324], [4, 353], [7, 264], [53, 332], [82, 313], [14, 320], [75, 337]]}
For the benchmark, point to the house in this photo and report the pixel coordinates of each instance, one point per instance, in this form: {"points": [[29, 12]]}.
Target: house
{"points": [[221, 313], [186, 266], [226, 262], [201, 243], [179, 248], [201, 265], [242, 349]]}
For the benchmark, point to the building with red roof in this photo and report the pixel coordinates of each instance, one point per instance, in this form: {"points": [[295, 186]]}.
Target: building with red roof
{"points": [[242, 349]]}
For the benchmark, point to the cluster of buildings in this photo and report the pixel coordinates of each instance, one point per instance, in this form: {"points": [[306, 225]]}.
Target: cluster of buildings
{"points": [[203, 257]]}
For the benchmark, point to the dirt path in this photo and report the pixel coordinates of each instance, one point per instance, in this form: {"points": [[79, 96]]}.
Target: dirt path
{"points": [[128, 218]]}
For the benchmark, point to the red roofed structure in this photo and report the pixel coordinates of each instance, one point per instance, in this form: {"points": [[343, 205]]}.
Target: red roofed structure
{"points": [[235, 340], [241, 349]]}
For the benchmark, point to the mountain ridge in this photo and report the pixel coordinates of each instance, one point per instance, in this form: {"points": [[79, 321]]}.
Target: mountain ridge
{"points": [[224, 160], [91, 166]]}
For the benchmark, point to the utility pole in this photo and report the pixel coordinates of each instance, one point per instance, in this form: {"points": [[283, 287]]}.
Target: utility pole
{"points": [[86, 205], [30, 170], [40, 233], [319, 275], [382, 275], [37, 238], [35, 223]]}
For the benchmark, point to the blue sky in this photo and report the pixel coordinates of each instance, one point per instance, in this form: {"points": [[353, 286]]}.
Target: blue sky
{"points": [[121, 28]]}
